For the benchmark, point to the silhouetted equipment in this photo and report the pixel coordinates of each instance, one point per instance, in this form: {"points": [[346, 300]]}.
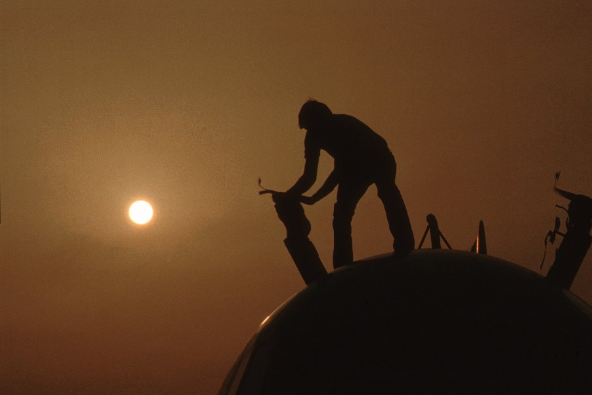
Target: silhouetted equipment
{"points": [[301, 249], [433, 322], [576, 240], [435, 233], [480, 244]]}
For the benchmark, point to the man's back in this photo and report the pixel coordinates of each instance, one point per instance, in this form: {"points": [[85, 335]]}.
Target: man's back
{"points": [[353, 145]]}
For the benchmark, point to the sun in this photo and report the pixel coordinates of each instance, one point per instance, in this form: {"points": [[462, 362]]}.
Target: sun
{"points": [[140, 212]]}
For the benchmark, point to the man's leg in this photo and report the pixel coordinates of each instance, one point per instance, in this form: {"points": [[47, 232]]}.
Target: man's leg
{"points": [[396, 214], [348, 196]]}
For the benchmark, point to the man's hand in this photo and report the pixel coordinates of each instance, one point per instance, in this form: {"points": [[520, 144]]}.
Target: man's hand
{"points": [[278, 196]]}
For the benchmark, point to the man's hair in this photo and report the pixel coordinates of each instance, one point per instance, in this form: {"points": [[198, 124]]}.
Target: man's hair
{"points": [[313, 113]]}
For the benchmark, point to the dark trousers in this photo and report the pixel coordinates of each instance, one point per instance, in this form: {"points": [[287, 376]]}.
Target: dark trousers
{"points": [[349, 193]]}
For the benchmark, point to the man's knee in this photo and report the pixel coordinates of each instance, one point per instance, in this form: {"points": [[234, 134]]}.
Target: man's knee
{"points": [[387, 188]]}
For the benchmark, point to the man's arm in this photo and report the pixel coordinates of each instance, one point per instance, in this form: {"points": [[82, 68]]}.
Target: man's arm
{"points": [[327, 187], [312, 152], [307, 179]]}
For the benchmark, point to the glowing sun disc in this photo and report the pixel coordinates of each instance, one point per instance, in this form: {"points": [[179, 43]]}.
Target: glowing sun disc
{"points": [[141, 212]]}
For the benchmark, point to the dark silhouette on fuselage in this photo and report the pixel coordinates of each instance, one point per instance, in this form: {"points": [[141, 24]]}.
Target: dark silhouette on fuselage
{"points": [[362, 158], [576, 240], [301, 249]]}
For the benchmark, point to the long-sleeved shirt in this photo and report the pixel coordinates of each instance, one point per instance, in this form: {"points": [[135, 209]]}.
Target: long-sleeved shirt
{"points": [[356, 148]]}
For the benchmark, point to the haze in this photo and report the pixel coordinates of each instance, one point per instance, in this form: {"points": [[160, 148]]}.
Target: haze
{"points": [[187, 103]]}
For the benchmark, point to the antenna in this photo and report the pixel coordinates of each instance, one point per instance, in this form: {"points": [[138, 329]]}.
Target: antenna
{"points": [[576, 240], [435, 233], [480, 244]]}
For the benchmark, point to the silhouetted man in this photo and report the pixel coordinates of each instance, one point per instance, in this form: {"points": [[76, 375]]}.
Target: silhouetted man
{"points": [[362, 158]]}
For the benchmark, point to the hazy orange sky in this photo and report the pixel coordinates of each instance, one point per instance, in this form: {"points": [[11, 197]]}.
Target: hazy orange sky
{"points": [[187, 103]]}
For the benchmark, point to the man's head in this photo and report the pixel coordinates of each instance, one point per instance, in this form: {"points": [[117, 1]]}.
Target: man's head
{"points": [[314, 114]]}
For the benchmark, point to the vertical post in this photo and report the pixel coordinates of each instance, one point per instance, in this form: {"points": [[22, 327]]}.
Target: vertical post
{"points": [[576, 242], [481, 244], [301, 249]]}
